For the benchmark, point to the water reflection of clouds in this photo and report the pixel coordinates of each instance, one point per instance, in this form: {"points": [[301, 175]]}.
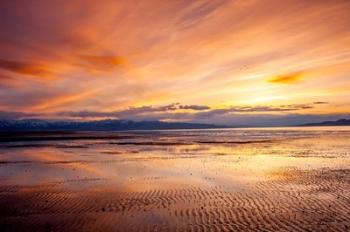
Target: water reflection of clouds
{"points": [[144, 166]]}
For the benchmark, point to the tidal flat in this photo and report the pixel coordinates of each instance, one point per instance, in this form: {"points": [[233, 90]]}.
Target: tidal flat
{"points": [[257, 179]]}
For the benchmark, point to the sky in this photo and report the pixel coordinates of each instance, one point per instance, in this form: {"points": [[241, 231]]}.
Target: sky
{"points": [[242, 62]]}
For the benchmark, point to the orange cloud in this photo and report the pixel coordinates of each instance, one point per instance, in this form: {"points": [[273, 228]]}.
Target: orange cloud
{"points": [[26, 68], [287, 78], [7, 81], [64, 100], [99, 63]]}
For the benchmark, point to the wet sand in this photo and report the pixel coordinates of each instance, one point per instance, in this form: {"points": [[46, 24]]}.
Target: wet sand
{"points": [[239, 180]]}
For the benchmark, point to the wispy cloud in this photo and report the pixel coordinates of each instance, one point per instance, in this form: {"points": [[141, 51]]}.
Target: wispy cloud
{"points": [[268, 115], [99, 63], [179, 112], [132, 112], [27, 68], [16, 115], [287, 78], [194, 107], [198, 11], [211, 52]]}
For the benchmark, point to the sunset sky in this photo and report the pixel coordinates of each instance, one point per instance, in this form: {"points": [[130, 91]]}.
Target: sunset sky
{"points": [[248, 62]]}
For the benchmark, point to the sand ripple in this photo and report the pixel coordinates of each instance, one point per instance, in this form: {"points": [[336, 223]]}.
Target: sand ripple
{"points": [[291, 201]]}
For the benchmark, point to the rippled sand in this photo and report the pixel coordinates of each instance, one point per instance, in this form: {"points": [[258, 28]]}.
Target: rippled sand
{"points": [[295, 179]]}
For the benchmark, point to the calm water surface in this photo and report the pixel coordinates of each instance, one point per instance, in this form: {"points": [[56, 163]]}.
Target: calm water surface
{"points": [[205, 156]]}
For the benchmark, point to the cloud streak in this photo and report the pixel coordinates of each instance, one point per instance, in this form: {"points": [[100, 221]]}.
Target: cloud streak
{"points": [[289, 78], [99, 63], [16, 115], [179, 112], [26, 68]]}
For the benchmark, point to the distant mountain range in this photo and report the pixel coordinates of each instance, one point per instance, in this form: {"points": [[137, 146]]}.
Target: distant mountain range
{"points": [[340, 122], [102, 125], [117, 125]]}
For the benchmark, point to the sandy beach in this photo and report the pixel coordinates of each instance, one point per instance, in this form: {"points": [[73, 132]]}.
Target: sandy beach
{"points": [[284, 179]]}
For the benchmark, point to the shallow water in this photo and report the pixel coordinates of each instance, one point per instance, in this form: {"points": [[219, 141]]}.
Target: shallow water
{"points": [[256, 179]]}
